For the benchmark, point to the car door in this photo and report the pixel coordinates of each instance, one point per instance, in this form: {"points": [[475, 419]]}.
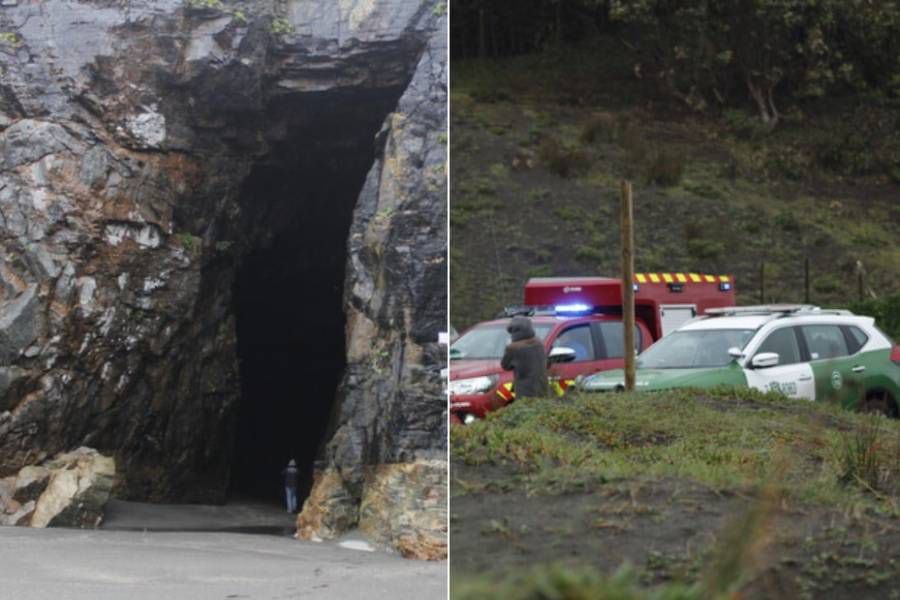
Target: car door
{"points": [[609, 336], [828, 352], [792, 376], [579, 338]]}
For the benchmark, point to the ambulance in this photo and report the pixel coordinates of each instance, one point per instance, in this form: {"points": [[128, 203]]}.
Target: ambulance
{"points": [[579, 319]]}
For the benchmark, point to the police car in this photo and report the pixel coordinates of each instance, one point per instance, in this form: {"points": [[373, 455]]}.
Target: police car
{"points": [[800, 351]]}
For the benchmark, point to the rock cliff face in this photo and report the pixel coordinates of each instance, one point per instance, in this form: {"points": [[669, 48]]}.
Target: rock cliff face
{"points": [[162, 159]]}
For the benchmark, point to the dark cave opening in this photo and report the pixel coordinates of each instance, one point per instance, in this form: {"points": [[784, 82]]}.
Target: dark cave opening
{"points": [[296, 210]]}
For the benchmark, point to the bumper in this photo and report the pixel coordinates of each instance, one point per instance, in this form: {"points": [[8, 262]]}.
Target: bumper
{"points": [[477, 405]]}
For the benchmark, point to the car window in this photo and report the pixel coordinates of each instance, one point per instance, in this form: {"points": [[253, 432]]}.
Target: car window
{"points": [[693, 349], [856, 338], [824, 341], [577, 338], [613, 334], [488, 341], [784, 343]]}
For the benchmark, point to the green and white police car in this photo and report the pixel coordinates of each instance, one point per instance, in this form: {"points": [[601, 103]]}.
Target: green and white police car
{"points": [[801, 351]]}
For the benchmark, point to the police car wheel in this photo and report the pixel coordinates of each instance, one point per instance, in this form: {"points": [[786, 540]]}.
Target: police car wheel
{"points": [[878, 403]]}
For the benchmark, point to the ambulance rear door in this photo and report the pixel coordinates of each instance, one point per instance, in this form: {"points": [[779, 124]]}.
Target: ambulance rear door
{"points": [[673, 316]]}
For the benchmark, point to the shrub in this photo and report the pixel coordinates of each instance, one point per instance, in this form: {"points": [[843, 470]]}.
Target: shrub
{"points": [[205, 4], [886, 311], [632, 142], [745, 125], [791, 162], [188, 241], [704, 249], [567, 213], [787, 221], [868, 457], [10, 38], [665, 167], [563, 161], [597, 128], [281, 26]]}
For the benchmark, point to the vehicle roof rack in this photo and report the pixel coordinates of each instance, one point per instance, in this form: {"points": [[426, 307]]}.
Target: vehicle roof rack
{"points": [[779, 310], [524, 310]]}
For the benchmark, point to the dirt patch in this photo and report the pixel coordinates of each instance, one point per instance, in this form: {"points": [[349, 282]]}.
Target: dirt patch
{"points": [[668, 529]]}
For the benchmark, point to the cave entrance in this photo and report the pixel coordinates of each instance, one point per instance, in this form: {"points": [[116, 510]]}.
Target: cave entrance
{"points": [[296, 210]]}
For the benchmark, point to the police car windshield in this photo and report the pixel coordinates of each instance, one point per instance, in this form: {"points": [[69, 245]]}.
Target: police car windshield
{"points": [[695, 349], [489, 341]]}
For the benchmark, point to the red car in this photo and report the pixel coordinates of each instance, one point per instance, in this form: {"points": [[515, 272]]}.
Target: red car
{"points": [[582, 315], [475, 372]]}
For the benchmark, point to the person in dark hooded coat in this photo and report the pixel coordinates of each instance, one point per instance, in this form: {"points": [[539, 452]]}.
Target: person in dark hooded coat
{"points": [[291, 476], [525, 357]]}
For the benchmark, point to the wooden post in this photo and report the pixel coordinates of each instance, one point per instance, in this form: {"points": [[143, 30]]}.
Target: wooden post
{"points": [[762, 283], [806, 280], [628, 282]]}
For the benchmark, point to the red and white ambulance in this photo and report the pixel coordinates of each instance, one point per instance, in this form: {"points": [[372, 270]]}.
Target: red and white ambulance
{"points": [[579, 320]]}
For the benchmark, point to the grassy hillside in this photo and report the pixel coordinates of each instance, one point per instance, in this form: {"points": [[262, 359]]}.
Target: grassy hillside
{"points": [[539, 145], [685, 494]]}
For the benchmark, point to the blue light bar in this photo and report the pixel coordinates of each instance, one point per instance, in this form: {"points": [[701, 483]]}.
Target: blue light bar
{"points": [[571, 309]]}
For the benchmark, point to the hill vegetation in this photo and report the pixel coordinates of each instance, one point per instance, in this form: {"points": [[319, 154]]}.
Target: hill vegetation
{"points": [[683, 494], [759, 134], [540, 142]]}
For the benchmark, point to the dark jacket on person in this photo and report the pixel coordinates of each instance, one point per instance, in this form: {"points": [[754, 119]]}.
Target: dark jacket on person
{"points": [[525, 357], [291, 476]]}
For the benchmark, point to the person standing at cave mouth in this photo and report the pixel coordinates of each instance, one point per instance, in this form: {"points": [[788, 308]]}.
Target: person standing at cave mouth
{"points": [[291, 476]]}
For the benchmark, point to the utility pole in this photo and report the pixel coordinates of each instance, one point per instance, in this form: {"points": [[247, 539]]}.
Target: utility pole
{"points": [[762, 283], [860, 280], [628, 282], [806, 280]]}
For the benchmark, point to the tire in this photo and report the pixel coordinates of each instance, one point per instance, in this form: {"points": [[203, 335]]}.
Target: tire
{"points": [[879, 402]]}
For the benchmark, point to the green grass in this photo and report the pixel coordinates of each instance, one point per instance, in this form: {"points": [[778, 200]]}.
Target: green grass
{"points": [[558, 582], [281, 26], [10, 38], [210, 4], [729, 439]]}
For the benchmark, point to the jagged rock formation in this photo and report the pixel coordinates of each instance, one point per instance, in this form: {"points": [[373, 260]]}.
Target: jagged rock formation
{"points": [[145, 153], [385, 434], [68, 491]]}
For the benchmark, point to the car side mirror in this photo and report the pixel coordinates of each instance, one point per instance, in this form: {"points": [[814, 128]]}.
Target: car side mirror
{"points": [[764, 360], [561, 354], [735, 353]]}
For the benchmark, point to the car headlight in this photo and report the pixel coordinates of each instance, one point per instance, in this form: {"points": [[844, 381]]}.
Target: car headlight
{"points": [[469, 419], [474, 385]]}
